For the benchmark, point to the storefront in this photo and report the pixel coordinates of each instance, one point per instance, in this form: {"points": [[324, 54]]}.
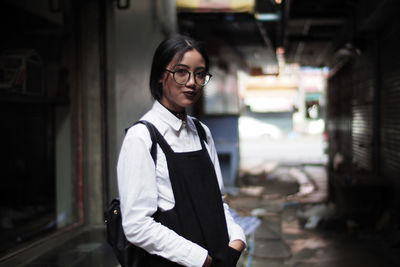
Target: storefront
{"points": [[69, 73], [39, 136]]}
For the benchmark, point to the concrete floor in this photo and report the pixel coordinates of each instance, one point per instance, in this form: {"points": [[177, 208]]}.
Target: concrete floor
{"points": [[283, 240], [277, 198], [88, 249]]}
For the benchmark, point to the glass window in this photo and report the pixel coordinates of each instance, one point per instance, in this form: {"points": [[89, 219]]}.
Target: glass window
{"points": [[36, 138]]}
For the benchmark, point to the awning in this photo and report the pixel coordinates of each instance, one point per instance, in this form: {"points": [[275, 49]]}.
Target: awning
{"points": [[229, 6]]}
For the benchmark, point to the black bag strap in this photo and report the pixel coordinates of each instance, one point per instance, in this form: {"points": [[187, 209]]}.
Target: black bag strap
{"points": [[200, 130], [151, 129]]}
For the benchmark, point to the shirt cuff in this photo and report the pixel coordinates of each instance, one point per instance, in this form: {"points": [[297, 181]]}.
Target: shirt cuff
{"points": [[197, 256]]}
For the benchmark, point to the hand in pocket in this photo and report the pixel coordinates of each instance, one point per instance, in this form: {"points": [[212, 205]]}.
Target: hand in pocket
{"points": [[233, 256]]}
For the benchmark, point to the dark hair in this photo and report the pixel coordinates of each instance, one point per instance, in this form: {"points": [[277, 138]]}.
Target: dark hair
{"points": [[165, 52]]}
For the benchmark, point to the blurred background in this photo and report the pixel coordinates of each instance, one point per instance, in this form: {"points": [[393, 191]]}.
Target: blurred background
{"points": [[295, 83]]}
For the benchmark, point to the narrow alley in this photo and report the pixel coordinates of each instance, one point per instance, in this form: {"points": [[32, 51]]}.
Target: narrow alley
{"points": [[301, 98], [303, 229]]}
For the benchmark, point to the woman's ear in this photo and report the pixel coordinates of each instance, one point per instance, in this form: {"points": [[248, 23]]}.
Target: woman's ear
{"points": [[162, 79]]}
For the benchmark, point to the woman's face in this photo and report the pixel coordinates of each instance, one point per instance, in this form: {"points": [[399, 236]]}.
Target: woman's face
{"points": [[176, 96]]}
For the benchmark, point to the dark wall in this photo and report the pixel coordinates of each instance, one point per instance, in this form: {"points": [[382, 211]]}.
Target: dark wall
{"points": [[390, 104], [363, 118]]}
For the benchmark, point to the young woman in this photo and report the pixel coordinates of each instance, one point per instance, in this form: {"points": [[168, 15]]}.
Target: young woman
{"points": [[173, 208]]}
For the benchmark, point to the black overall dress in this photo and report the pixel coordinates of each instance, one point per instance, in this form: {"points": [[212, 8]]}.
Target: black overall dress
{"points": [[198, 214]]}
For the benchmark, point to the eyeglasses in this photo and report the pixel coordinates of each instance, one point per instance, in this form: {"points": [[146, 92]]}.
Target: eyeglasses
{"points": [[182, 76]]}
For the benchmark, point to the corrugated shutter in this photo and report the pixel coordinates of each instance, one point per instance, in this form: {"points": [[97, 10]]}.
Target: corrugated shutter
{"points": [[362, 112], [362, 136], [390, 88], [351, 113], [339, 115]]}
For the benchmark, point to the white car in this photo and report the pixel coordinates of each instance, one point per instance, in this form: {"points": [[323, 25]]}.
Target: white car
{"points": [[253, 128]]}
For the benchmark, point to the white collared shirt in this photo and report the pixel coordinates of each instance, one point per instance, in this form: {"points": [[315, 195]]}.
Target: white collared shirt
{"points": [[143, 188]]}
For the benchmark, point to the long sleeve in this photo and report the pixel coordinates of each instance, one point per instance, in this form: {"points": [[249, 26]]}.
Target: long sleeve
{"points": [[139, 196], [235, 232]]}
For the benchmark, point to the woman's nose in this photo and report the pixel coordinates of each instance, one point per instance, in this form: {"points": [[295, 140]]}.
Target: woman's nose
{"points": [[191, 82]]}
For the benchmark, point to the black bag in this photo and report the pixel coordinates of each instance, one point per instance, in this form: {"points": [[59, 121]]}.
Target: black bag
{"points": [[127, 254]]}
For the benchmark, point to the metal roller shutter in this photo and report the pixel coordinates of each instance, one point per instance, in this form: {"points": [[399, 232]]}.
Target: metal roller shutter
{"points": [[362, 136], [390, 88], [362, 113], [339, 115]]}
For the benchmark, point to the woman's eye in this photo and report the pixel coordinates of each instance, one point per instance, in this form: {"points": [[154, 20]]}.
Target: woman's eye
{"points": [[201, 74], [181, 71]]}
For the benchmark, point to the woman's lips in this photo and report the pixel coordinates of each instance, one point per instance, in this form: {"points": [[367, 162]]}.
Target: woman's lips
{"points": [[190, 94]]}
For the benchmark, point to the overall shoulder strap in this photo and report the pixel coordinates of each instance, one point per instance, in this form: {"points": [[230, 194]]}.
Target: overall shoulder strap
{"points": [[150, 128], [200, 130]]}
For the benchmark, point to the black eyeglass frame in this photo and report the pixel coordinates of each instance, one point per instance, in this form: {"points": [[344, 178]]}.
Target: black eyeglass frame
{"points": [[190, 73]]}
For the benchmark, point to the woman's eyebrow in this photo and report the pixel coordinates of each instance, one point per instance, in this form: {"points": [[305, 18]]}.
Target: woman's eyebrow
{"points": [[182, 65], [186, 66], [200, 68]]}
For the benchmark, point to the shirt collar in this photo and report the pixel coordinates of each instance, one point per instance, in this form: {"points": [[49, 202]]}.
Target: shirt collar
{"points": [[191, 124], [167, 117]]}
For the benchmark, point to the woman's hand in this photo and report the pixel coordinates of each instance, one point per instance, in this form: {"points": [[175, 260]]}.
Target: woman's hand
{"points": [[208, 261], [237, 244]]}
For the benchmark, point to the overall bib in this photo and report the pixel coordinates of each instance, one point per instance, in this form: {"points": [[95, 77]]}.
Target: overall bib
{"points": [[198, 214]]}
